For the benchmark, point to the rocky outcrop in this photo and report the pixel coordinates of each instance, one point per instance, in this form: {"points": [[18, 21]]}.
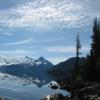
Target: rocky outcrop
{"points": [[79, 90], [3, 98], [56, 96]]}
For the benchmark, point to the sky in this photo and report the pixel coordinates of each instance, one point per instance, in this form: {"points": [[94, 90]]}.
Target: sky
{"points": [[46, 28]]}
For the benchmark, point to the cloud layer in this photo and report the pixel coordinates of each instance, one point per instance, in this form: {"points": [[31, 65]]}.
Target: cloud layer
{"points": [[42, 13], [46, 27]]}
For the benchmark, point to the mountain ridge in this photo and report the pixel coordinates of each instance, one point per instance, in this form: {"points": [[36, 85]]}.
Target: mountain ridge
{"points": [[4, 60], [26, 67], [65, 69]]}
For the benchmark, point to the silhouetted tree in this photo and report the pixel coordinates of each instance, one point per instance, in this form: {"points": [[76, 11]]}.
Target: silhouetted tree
{"points": [[95, 51], [96, 39], [78, 47]]}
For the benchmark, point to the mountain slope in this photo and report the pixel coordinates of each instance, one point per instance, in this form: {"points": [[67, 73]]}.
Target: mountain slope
{"points": [[25, 67], [64, 69]]}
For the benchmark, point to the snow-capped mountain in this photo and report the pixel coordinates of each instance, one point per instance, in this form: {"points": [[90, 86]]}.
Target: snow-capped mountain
{"points": [[25, 66], [7, 60]]}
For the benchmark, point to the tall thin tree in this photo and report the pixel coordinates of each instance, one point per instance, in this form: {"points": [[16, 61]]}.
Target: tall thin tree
{"points": [[78, 47]]}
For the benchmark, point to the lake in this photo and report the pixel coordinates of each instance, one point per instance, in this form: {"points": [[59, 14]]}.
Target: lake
{"points": [[15, 88]]}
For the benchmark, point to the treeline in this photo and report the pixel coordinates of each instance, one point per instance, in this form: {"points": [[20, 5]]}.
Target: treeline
{"points": [[90, 71]]}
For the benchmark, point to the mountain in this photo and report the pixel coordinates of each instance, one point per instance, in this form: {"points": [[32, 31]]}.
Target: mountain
{"points": [[25, 67], [64, 69], [7, 60]]}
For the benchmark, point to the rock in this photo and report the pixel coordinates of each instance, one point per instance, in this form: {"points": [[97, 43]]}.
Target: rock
{"points": [[76, 97], [56, 96], [54, 86], [46, 98], [2, 98], [79, 90]]}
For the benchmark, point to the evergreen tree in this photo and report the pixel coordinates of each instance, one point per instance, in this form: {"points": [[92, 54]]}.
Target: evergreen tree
{"points": [[77, 67], [96, 39], [78, 47], [95, 51], [91, 68]]}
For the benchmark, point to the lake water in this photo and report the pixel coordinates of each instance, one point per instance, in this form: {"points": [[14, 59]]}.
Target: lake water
{"points": [[20, 89]]}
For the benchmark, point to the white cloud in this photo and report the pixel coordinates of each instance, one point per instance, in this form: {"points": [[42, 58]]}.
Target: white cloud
{"points": [[8, 34], [45, 12], [20, 42], [68, 49], [2, 31], [61, 49], [15, 52]]}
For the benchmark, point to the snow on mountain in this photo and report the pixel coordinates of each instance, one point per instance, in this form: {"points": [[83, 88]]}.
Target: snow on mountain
{"points": [[7, 60], [25, 67]]}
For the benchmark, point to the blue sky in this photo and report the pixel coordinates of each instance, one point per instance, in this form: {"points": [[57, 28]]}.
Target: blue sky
{"points": [[46, 28]]}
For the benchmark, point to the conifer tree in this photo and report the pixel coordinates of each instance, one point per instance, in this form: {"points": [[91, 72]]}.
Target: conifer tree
{"points": [[78, 47], [95, 51]]}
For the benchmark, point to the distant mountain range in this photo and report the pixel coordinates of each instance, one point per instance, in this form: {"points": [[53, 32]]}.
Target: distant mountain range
{"points": [[7, 60], [25, 67], [40, 68], [65, 69]]}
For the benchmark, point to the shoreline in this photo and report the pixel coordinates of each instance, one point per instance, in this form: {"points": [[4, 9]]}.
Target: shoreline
{"points": [[79, 90]]}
